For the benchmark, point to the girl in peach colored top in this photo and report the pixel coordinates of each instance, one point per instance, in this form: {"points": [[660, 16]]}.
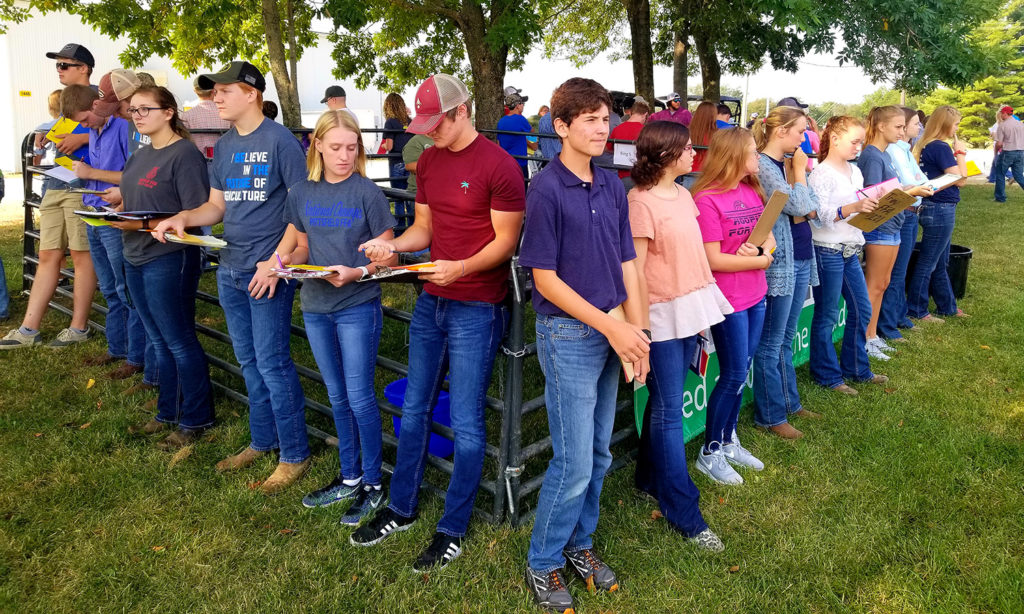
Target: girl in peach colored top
{"points": [[684, 300]]}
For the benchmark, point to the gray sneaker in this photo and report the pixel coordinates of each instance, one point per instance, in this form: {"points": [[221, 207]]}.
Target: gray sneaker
{"points": [[67, 337], [707, 540], [592, 570], [367, 502], [549, 591], [737, 455], [16, 339], [716, 467], [874, 351], [885, 347]]}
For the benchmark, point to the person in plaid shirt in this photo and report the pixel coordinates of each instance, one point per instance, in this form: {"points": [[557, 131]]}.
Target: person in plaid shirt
{"points": [[204, 116]]}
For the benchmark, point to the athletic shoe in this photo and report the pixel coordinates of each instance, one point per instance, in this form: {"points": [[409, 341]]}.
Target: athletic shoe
{"points": [[67, 337], [592, 570], [874, 351], [882, 345], [707, 540], [367, 501], [443, 549], [717, 468], [549, 591], [380, 527], [332, 493], [737, 455], [15, 339]]}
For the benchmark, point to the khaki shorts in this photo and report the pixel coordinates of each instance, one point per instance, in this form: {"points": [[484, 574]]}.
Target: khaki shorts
{"points": [[59, 227]]}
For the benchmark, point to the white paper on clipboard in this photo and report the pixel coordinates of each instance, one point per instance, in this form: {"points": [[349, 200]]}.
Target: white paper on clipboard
{"points": [[624, 154]]}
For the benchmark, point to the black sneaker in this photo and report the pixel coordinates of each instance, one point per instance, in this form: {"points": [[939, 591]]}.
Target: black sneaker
{"points": [[443, 549], [549, 591], [383, 524], [368, 501], [592, 570], [333, 493]]}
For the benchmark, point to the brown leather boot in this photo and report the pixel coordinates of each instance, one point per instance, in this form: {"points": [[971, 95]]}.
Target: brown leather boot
{"points": [[238, 461], [785, 431], [284, 476], [151, 427], [806, 413], [124, 371], [178, 440], [846, 389]]}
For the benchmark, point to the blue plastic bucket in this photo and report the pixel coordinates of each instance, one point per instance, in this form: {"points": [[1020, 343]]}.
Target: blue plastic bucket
{"points": [[439, 446]]}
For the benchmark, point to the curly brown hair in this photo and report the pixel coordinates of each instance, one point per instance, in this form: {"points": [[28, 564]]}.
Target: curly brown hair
{"points": [[576, 97], [658, 145]]}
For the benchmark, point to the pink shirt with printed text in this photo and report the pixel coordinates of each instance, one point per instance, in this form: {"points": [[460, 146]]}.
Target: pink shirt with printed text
{"points": [[728, 219]]}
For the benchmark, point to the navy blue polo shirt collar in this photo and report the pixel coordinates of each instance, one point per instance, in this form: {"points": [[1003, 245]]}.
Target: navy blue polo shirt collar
{"points": [[569, 178]]}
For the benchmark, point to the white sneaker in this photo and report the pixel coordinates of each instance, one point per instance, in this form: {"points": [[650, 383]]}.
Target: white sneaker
{"points": [[885, 347], [67, 337], [874, 351], [737, 455], [717, 468], [16, 339]]}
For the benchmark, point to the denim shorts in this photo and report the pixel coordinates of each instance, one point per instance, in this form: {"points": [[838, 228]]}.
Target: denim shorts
{"points": [[876, 237]]}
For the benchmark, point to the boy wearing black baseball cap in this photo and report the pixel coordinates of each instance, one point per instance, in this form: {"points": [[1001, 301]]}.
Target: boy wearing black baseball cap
{"points": [[74, 64], [254, 164]]}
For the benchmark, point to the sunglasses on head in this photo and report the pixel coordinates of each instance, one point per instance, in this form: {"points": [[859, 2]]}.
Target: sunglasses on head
{"points": [[67, 65]]}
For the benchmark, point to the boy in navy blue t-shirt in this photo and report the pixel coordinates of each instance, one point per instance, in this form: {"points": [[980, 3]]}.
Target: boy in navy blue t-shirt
{"points": [[578, 242]]}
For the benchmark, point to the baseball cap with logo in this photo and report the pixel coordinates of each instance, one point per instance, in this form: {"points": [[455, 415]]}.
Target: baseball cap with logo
{"points": [[235, 72], [436, 96], [672, 96], [514, 100], [114, 87], [73, 51], [1006, 110]]}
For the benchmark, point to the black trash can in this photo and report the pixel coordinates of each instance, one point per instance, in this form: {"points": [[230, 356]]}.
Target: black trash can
{"points": [[959, 263]]}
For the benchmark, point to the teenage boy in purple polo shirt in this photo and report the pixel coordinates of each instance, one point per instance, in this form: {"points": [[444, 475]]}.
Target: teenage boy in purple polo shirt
{"points": [[108, 151], [578, 242], [469, 209]]}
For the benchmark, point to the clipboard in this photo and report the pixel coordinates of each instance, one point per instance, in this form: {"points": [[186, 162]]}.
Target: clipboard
{"points": [[879, 190], [302, 271], [888, 207], [943, 181], [380, 272], [772, 210]]}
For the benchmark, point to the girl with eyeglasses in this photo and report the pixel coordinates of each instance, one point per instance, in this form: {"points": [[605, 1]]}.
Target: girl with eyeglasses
{"points": [[168, 176], [684, 300], [730, 201]]}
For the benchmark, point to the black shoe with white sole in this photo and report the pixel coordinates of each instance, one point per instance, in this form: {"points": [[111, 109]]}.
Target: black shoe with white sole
{"points": [[380, 527], [443, 549]]}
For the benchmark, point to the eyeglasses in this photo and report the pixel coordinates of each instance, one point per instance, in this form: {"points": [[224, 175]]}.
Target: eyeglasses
{"points": [[67, 65], [143, 111], [688, 148]]}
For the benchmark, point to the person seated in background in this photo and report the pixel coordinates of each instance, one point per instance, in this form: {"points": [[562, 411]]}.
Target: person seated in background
{"points": [[628, 131], [516, 144], [723, 119], [270, 110], [204, 116]]}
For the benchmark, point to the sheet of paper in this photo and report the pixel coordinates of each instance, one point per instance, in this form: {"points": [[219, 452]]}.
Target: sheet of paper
{"points": [[888, 206], [61, 174], [771, 212], [624, 154], [943, 181], [379, 272], [879, 189]]}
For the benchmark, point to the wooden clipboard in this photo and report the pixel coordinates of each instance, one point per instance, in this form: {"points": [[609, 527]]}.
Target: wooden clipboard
{"points": [[888, 206], [772, 210]]}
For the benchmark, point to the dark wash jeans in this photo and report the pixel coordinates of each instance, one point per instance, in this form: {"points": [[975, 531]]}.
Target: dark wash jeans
{"points": [[931, 272], [893, 314], [736, 339]]}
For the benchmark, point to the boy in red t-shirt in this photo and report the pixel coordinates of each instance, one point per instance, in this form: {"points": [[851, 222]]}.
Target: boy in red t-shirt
{"points": [[470, 200], [629, 130]]}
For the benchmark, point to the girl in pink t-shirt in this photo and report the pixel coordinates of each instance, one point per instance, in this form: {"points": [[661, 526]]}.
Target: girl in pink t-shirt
{"points": [[683, 300], [730, 201]]}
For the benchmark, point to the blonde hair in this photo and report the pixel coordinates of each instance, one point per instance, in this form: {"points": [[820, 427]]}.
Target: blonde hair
{"points": [[837, 125], [339, 118], [878, 116], [779, 117], [725, 164], [53, 103], [938, 127]]}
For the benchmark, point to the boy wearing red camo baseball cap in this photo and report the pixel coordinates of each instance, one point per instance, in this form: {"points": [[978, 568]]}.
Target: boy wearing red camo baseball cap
{"points": [[470, 200]]}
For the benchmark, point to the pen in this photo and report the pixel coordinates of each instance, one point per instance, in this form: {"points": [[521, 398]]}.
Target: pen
{"points": [[281, 264]]}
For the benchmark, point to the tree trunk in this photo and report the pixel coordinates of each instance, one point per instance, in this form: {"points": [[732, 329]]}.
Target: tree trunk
{"points": [[287, 92], [638, 12], [710, 69], [487, 65], [293, 52], [680, 68]]}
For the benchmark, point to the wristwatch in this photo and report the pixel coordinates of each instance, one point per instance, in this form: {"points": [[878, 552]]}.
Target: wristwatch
{"points": [[647, 332], [760, 251]]}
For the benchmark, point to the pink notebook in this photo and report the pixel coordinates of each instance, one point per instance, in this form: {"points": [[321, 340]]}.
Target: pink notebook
{"points": [[879, 190]]}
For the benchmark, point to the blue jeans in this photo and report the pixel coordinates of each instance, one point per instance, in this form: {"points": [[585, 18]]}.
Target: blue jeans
{"points": [[736, 339], [462, 336], [845, 277], [404, 209], [581, 373], [775, 392], [5, 298], [1013, 161], [164, 293], [661, 463], [995, 167], [260, 332], [893, 314], [126, 335], [344, 344], [931, 274]]}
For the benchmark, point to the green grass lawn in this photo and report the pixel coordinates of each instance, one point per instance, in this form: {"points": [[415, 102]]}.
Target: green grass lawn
{"points": [[905, 499]]}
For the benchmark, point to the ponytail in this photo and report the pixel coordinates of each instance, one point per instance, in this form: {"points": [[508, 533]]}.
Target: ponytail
{"points": [[878, 116], [780, 117]]}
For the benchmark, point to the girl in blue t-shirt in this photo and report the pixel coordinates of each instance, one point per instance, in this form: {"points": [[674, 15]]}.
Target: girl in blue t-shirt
{"points": [[329, 215], [885, 125], [937, 216], [730, 201]]}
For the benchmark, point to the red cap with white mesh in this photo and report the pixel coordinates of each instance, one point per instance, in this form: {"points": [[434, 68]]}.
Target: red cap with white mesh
{"points": [[437, 95]]}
